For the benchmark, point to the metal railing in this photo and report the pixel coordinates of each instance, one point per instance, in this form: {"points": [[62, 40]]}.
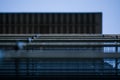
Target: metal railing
{"points": [[37, 57]]}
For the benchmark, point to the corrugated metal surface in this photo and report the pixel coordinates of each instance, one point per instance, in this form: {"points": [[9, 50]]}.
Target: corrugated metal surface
{"points": [[24, 23]]}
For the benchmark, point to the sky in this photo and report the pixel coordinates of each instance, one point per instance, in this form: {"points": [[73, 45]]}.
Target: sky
{"points": [[109, 8]]}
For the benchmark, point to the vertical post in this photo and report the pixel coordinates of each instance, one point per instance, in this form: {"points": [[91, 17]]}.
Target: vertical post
{"points": [[116, 60], [116, 66]]}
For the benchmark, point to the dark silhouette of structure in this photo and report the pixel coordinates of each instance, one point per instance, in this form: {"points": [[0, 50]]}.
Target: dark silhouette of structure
{"points": [[56, 45], [50, 23]]}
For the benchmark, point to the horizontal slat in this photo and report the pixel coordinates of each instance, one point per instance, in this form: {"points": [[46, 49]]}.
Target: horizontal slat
{"points": [[63, 44], [81, 35], [59, 54], [63, 40]]}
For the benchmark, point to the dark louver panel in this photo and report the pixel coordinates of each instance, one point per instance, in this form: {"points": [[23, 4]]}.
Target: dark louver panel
{"points": [[54, 23]]}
